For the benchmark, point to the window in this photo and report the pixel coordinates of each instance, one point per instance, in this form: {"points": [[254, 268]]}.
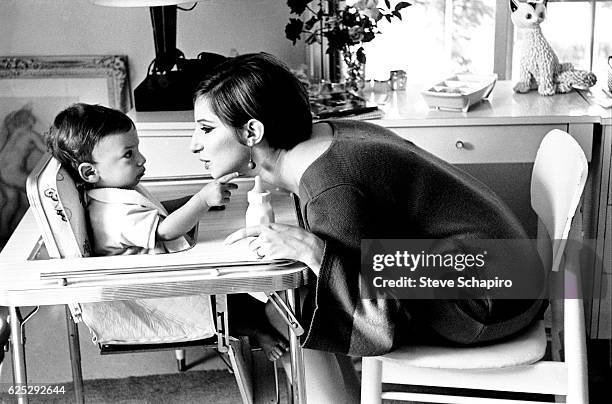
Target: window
{"points": [[439, 37], [434, 39]]}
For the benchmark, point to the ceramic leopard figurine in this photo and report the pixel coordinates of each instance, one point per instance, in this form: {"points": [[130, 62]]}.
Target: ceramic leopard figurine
{"points": [[540, 67]]}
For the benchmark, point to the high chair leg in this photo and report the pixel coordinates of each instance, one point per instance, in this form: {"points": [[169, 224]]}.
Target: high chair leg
{"points": [[180, 359], [17, 341], [75, 357]]}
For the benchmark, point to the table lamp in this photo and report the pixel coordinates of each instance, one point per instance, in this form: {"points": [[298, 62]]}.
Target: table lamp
{"points": [[171, 79]]}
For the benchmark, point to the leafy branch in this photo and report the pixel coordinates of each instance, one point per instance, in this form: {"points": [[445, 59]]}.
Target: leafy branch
{"points": [[343, 28]]}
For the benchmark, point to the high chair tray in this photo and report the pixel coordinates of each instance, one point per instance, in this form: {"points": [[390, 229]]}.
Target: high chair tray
{"points": [[25, 260], [207, 253], [209, 267]]}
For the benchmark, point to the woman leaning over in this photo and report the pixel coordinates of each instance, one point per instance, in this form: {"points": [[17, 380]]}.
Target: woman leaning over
{"points": [[354, 180]]}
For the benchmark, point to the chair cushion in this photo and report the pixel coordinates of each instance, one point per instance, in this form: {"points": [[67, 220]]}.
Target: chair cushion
{"points": [[524, 349]]}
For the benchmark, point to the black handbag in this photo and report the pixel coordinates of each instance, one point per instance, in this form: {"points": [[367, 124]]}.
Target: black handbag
{"points": [[173, 90]]}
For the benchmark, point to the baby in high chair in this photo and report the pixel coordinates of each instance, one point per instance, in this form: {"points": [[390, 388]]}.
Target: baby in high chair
{"points": [[99, 147]]}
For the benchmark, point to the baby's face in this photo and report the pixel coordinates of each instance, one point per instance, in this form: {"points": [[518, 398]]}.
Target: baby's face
{"points": [[118, 161]]}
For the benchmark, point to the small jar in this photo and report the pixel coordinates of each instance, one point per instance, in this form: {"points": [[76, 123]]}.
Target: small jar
{"points": [[398, 80]]}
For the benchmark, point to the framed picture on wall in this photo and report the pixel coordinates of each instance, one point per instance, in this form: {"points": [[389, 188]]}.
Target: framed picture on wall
{"points": [[33, 89]]}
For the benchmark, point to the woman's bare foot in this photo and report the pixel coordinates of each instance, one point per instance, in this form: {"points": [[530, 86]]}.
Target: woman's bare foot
{"points": [[274, 346]]}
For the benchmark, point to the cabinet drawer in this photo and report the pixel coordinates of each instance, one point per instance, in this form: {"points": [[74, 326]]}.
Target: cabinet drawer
{"points": [[485, 144], [170, 156]]}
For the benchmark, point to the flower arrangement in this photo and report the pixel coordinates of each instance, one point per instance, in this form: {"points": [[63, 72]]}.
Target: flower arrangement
{"points": [[346, 29]]}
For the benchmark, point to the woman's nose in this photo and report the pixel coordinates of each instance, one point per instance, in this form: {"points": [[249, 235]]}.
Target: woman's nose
{"points": [[195, 145]]}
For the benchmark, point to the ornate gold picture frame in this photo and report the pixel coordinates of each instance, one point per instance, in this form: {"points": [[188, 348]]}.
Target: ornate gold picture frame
{"points": [[33, 89]]}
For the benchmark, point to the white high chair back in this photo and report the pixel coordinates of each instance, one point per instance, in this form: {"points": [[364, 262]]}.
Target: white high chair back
{"points": [[516, 365], [58, 210]]}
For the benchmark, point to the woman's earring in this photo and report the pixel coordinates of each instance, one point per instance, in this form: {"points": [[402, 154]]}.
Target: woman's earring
{"points": [[251, 163]]}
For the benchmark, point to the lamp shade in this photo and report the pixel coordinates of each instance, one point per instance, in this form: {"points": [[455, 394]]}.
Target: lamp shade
{"points": [[141, 3]]}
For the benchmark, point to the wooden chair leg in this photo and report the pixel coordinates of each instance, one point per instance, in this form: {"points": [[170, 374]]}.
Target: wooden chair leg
{"points": [[371, 381], [75, 358], [180, 359]]}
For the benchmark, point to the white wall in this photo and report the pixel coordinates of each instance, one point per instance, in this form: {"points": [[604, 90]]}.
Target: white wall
{"points": [[78, 27]]}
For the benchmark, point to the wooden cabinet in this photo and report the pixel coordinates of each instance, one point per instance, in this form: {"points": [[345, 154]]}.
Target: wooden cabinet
{"points": [[169, 156], [164, 141]]}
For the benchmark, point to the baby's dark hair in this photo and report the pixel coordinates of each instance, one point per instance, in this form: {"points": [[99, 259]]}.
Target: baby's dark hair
{"points": [[77, 129]]}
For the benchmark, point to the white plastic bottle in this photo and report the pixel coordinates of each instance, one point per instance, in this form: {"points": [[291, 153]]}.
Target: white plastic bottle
{"points": [[260, 209]]}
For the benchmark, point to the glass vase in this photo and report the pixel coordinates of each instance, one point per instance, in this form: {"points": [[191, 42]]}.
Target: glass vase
{"points": [[354, 72]]}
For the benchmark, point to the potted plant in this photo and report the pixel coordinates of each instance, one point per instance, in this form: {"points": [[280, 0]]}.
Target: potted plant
{"points": [[346, 28]]}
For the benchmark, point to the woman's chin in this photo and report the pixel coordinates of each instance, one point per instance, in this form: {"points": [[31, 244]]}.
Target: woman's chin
{"points": [[211, 170], [219, 173]]}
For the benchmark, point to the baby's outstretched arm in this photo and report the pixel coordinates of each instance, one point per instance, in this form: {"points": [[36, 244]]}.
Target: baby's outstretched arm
{"points": [[179, 222], [173, 204]]}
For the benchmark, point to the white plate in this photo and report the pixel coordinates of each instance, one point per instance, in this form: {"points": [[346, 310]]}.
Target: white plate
{"points": [[460, 92]]}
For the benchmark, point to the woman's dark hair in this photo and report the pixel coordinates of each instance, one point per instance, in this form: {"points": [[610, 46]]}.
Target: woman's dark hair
{"points": [[259, 86], [77, 129]]}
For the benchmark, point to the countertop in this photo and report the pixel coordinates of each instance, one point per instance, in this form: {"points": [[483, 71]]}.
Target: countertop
{"points": [[407, 108]]}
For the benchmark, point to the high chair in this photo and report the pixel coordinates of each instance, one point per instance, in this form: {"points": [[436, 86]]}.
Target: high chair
{"points": [[516, 365], [61, 217]]}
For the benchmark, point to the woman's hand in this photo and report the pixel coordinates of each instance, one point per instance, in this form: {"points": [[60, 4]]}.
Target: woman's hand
{"points": [[282, 241]]}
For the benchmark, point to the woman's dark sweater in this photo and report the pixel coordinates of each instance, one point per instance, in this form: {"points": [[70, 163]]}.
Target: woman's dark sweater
{"points": [[373, 184]]}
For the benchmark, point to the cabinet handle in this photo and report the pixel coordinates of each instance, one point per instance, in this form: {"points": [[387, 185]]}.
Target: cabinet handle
{"points": [[459, 144]]}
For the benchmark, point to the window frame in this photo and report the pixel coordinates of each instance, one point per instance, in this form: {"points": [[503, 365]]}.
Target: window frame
{"points": [[504, 41]]}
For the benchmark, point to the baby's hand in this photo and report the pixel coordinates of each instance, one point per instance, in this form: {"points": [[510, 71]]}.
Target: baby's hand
{"points": [[217, 193]]}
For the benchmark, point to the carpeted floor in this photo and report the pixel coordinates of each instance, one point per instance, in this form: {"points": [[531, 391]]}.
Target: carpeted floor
{"points": [[219, 387], [212, 386]]}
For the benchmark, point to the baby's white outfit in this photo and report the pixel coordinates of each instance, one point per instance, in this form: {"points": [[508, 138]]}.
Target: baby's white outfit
{"points": [[124, 222]]}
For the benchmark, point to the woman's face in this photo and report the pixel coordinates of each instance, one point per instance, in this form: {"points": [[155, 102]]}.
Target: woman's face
{"points": [[216, 143]]}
